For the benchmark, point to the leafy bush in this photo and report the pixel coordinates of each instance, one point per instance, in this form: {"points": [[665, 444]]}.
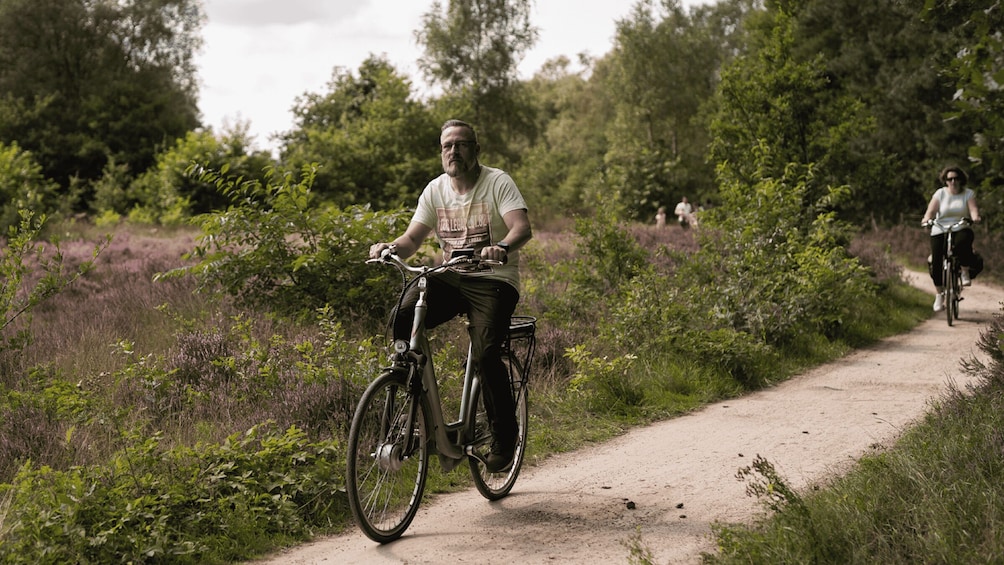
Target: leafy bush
{"points": [[166, 194], [778, 267], [275, 248], [23, 186], [656, 320], [608, 385], [607, 255], [203, 504]]}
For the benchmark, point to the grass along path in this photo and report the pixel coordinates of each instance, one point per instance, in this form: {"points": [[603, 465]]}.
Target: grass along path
{"points": [[680, 474]]}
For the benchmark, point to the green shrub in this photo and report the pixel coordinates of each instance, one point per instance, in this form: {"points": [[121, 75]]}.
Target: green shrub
{"points": [[23, 187], [275, 248], [607, 254], [202, 504], [168, 194], [775, 259], [610, 386]]}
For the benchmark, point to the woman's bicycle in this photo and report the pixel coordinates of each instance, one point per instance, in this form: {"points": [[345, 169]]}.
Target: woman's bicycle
{"points": [[951, 269], [400, 421]]}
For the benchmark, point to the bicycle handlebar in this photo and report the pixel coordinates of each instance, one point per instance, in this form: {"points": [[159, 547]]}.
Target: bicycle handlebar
{"points": [[961, 223], [388, 256]]}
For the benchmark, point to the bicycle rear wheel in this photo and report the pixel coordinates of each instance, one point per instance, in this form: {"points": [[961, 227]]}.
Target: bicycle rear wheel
{"points": [[388, 458], [494, 486]]}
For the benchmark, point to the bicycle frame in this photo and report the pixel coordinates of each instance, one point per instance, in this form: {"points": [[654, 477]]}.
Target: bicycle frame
{"points": [[389, 441], [451, 453], [950, 269]]}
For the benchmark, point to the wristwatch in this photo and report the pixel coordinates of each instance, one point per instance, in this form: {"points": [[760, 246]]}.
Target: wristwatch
{"points": [[503, 245]]}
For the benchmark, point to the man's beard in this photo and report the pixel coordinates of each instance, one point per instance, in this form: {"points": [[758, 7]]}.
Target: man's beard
{"points": [[456, 168]]}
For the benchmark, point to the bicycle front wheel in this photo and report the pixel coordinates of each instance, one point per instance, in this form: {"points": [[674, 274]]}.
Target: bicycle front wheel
{"points": [[494, 486], [388, 458], [957, 297], [950, 290]]}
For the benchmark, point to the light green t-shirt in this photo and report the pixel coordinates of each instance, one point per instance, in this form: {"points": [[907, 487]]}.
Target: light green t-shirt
{"points": [[473, 220]]}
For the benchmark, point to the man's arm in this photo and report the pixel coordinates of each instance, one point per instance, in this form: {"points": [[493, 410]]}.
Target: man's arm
{"points": [[518, 235], [520, 232], [407, 243]]}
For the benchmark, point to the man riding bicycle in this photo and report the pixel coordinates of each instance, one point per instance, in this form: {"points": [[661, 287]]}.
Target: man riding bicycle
{"points": [[479, 209]]}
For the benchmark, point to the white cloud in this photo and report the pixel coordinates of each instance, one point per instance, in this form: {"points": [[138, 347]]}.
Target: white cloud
{"points": [[262, 13], [260, 55]]}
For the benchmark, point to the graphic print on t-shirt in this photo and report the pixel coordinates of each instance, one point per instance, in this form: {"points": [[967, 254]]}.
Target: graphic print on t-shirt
{"points": [[466, 227]]}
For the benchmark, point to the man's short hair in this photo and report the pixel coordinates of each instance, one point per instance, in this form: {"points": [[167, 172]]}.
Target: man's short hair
{"points": [[460, 124]]}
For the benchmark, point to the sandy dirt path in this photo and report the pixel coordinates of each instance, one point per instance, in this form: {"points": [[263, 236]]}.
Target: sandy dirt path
{"points": [[680, 474]]}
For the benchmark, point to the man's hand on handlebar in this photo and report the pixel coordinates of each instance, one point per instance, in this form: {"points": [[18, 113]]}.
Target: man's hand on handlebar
{"points": [[377, 249], [494, 253]]}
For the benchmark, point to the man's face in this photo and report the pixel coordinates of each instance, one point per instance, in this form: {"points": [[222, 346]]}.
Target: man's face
{"points": [[460, 151]]}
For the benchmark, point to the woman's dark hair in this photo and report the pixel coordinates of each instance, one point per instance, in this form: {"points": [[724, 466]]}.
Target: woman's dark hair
{"points": [[956, 170]]}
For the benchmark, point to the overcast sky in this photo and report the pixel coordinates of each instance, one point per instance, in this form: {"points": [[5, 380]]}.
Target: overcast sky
{"points": [[260, 55]]}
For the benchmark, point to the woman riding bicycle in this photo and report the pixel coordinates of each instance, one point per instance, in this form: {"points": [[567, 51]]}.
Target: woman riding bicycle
{"points": [[951, 203]]}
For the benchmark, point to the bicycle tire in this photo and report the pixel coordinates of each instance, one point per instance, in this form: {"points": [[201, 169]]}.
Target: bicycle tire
{"points": [[495, 486], [949, 281], [384, 484], [957, 285]]}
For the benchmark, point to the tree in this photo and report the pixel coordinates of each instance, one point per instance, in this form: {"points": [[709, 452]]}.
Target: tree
{"points": [[564, 171], [662, 70], [83, 81], [978, 99], [770, 97], [372, 141], [898, 64], [473, 51]]}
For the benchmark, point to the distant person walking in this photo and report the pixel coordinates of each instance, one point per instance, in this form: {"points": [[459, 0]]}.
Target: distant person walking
{"points": [[660, 217], [684, 213]]}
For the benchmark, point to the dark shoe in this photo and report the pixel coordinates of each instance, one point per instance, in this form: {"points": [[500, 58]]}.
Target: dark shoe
{"points": [[500, 457]]}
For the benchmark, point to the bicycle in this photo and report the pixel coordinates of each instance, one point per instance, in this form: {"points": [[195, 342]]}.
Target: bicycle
{"points": [[951, 269], [400, 420]]}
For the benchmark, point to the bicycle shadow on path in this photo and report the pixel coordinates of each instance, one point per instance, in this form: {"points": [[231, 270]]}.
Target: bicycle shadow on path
{"points": [[664, 485]]}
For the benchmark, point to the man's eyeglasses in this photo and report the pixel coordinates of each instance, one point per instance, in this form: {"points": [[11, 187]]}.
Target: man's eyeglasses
{"points": [[950, 179], [449, 145]]}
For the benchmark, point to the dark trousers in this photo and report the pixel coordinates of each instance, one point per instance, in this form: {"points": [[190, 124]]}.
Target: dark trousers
{"points": [[963, 242], [488, 304]]}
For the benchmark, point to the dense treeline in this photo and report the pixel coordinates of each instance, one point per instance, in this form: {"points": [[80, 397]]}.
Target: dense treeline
{"points": [[102, 96]]}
